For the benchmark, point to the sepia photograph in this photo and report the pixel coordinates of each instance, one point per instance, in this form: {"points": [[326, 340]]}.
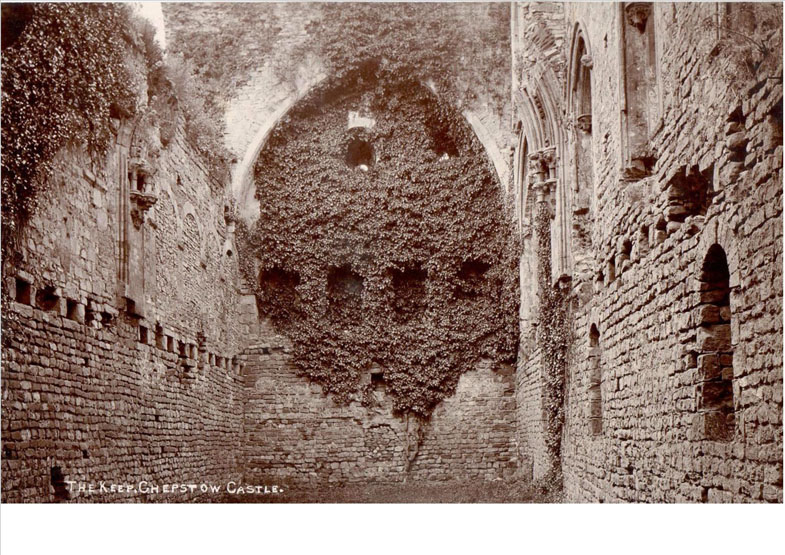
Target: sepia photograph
{"points": [[429, 253]]}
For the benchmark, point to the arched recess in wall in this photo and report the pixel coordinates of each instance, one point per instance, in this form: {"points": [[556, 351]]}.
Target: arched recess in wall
{"points": [[715, 278], [581, 190], [541, 124], [594, 391], [524, 198], [408, 230], [715, 348], [244, 187]]}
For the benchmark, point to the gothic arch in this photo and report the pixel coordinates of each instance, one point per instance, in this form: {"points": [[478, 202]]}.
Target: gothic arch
{"points": [[243, 185], [542, 124], [188, 209], [581, 191], [579, 47]]}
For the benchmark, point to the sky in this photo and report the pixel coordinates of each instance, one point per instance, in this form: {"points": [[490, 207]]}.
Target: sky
{"points": [[153, 13]]}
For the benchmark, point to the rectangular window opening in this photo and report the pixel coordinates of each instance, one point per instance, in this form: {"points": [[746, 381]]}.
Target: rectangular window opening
{"points": [[22, 291]]}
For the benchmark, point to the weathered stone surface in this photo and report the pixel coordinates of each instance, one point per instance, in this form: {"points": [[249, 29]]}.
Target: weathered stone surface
{"points": [[655, 355], [677, 397]]}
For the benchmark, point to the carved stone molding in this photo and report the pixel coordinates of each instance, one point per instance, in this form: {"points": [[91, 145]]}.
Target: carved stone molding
{"points": [[544, 190], [638, 14], [141, 202], [583, 122]]}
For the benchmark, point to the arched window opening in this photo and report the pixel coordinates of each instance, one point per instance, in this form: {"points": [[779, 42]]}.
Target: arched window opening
{"points": [[582, 194], [715, 361], [359, 154], [582, 111], [595, 381]]}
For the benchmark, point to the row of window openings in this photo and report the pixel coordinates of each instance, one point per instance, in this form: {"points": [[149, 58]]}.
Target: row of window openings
{"points": [[360, 153], [680, 208], [47, 299], [343, 284], [713, 357], [186, 351]]}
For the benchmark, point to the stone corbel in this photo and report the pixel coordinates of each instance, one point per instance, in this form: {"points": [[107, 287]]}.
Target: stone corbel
{"points": [[583, 123], [638, 14], [141, 202]]}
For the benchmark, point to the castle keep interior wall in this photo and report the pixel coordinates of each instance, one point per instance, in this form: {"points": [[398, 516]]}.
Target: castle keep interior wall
{"points": [[673, 385], [121, 377], [639, 152]]}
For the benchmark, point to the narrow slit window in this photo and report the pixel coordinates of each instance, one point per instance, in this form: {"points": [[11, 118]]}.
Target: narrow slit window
{"points": [[715, 361], [595, 381]]}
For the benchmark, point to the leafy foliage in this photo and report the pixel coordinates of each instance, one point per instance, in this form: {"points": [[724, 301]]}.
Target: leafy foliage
{"points": [[223, 53], [63, 78], [553, 336], [179, 97], [455, 46], [365, 265], [463, 48]]}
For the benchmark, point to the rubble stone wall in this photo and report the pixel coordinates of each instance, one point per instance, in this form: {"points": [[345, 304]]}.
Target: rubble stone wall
{"points": [[295, 434], [648, 434], [92, 391]]}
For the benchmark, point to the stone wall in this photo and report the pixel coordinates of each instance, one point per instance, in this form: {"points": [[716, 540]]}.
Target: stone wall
{"points": [[270, 73], [295, 434], [107, 375], [93, 404], [640, 422], [534, 463], [132, 352]]}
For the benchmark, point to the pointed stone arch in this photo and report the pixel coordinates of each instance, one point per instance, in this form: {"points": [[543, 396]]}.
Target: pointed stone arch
{"points": [[581, 190], [243, 186]]}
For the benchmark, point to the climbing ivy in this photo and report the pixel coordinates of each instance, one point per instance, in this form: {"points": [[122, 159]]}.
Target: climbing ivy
{"points": [[459, 48], [69, 71], [63, 79], [553, 336], [406, 260]]}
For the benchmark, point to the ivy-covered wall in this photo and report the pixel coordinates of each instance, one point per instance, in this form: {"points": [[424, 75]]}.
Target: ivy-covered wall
{"points": [[100, 384], [269, 55], [384, 245]]}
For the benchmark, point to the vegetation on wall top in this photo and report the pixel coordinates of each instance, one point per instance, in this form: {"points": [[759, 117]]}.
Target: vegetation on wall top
{"points": [[69, 72], [462, 48], [383, 246], [63, 79]]}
